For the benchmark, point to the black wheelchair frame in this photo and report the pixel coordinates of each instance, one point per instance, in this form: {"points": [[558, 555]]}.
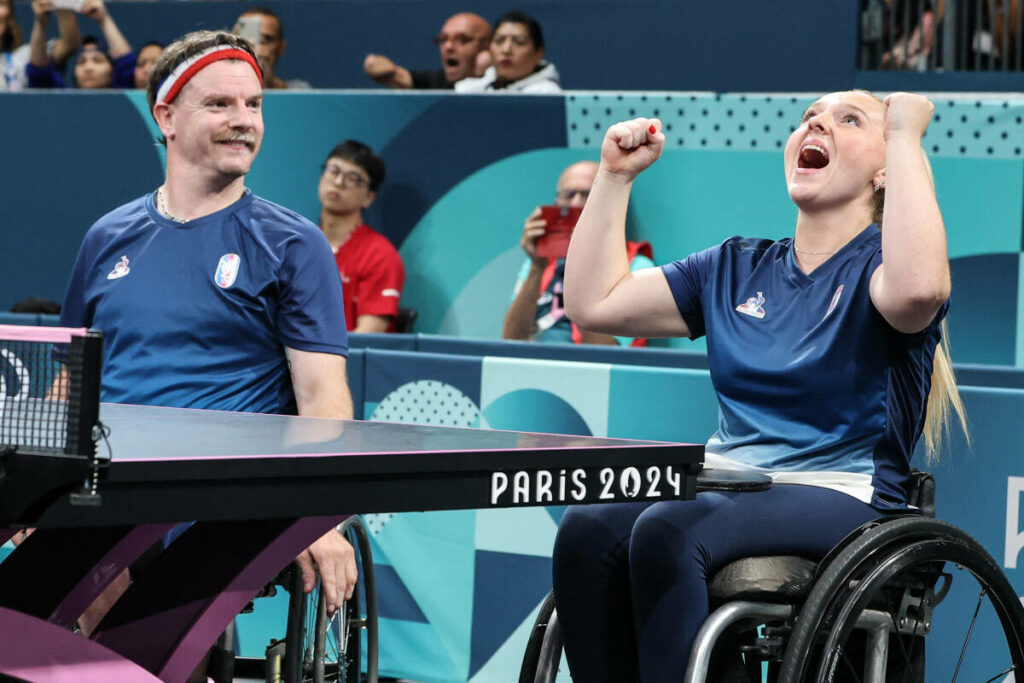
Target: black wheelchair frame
{"points": [[870, 602]]}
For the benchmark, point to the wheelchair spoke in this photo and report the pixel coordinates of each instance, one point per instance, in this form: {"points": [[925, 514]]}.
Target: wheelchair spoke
{"points": [[970, 632], [333, 653], [849, 667], [1000, 675], [308, 639]]}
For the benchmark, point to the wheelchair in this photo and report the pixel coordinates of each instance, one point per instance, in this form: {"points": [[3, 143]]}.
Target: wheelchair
{"points": [[863, 613], [315, 648]]}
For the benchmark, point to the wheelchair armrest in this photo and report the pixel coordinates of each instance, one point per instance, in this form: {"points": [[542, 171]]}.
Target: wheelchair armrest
{"points": [[921, 492]]}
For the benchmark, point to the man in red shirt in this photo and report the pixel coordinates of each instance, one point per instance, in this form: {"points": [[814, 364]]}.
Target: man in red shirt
{"points": [[371, 270]]}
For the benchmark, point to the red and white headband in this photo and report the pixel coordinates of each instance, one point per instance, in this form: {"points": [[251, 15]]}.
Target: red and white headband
{"points": [[183, 73]]}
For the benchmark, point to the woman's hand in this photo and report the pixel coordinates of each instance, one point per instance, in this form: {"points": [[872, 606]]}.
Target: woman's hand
{"points": [[907, 113], [629, 147]]}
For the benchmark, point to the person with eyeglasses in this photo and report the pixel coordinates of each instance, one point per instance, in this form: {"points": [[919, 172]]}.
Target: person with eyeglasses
{"points": [[462, 44], [517, 60], [536, 312], [372, 273]]}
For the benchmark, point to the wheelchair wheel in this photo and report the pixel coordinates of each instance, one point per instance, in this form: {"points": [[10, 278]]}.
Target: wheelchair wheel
{"points": [[890, 581], [332, 647], [544, 647]]}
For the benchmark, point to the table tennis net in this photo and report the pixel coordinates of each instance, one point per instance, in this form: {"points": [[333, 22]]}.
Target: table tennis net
{"points": [[47, 406]]}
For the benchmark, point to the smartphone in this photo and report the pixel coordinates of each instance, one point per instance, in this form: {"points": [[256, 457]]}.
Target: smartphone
{"points": [[249, 28], [561, 220], [74, 5]]}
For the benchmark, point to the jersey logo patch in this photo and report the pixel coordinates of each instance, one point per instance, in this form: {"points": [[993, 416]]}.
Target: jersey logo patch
{"points": [[754, 306], [391, 292], [227, 270], [120, 270], [835, 302]]}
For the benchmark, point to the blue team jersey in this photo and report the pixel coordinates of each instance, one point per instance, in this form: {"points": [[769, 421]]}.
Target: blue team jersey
{"points": [[809, 375], [198, 314]]}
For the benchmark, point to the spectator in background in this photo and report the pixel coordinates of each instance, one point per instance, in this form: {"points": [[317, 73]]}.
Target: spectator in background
{"points": [[914, 35], [372, 274], [94, 68], [462, 43], [517, 60], [36, 304], [263, 28], [537, 312], [149, 54], [993, 28], [14, 52]]}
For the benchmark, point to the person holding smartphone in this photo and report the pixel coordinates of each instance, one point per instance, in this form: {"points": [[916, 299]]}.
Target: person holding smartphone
{"points": [[264, 30], [537, 312], [94, 68], [14, 52]]}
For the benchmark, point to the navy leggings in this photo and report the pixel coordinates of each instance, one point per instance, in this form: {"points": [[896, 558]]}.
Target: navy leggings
{"points": [[631, 579]]}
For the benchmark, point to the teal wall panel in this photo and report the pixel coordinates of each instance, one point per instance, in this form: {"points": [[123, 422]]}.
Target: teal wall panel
{"points": [[661, 404], [981, 202]]}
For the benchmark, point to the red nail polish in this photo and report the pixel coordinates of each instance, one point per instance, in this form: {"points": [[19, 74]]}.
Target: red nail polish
{"points": [[652, 129]]}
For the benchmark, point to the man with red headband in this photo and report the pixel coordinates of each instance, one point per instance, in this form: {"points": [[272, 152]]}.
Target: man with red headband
{"points": [[209, 296]]}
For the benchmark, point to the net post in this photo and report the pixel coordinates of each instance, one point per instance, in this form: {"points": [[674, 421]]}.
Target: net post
{"points": [[86, 370], [87, 431]]}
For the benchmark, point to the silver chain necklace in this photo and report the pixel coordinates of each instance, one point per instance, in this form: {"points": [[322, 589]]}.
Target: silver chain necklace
{"points": [[813, 253], [161, 205]]}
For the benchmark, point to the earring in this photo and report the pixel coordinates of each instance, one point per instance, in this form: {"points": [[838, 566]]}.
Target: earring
{"points": [[879, 186]]}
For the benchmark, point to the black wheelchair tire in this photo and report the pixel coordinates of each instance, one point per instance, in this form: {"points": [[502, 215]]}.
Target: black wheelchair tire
{"points": [[354, 529], [863, 567], [325, 662], [535, 643]]}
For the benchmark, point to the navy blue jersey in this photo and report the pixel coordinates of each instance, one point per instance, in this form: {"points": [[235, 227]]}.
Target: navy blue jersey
{"points": [[809, 375], [197, 314]]}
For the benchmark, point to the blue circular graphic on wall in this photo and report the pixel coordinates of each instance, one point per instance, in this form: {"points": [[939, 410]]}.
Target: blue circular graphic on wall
{"points": [[533, 410]]}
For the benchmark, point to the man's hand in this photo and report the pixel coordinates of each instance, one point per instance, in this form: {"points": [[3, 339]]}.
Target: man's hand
{"points": [[378, 67], [386, 72], [483, 60], [335, 558], [534, 227], [20, 535]]}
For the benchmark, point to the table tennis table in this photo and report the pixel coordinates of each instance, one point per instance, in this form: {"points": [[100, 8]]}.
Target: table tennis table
{"points": [[260, 489]]}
